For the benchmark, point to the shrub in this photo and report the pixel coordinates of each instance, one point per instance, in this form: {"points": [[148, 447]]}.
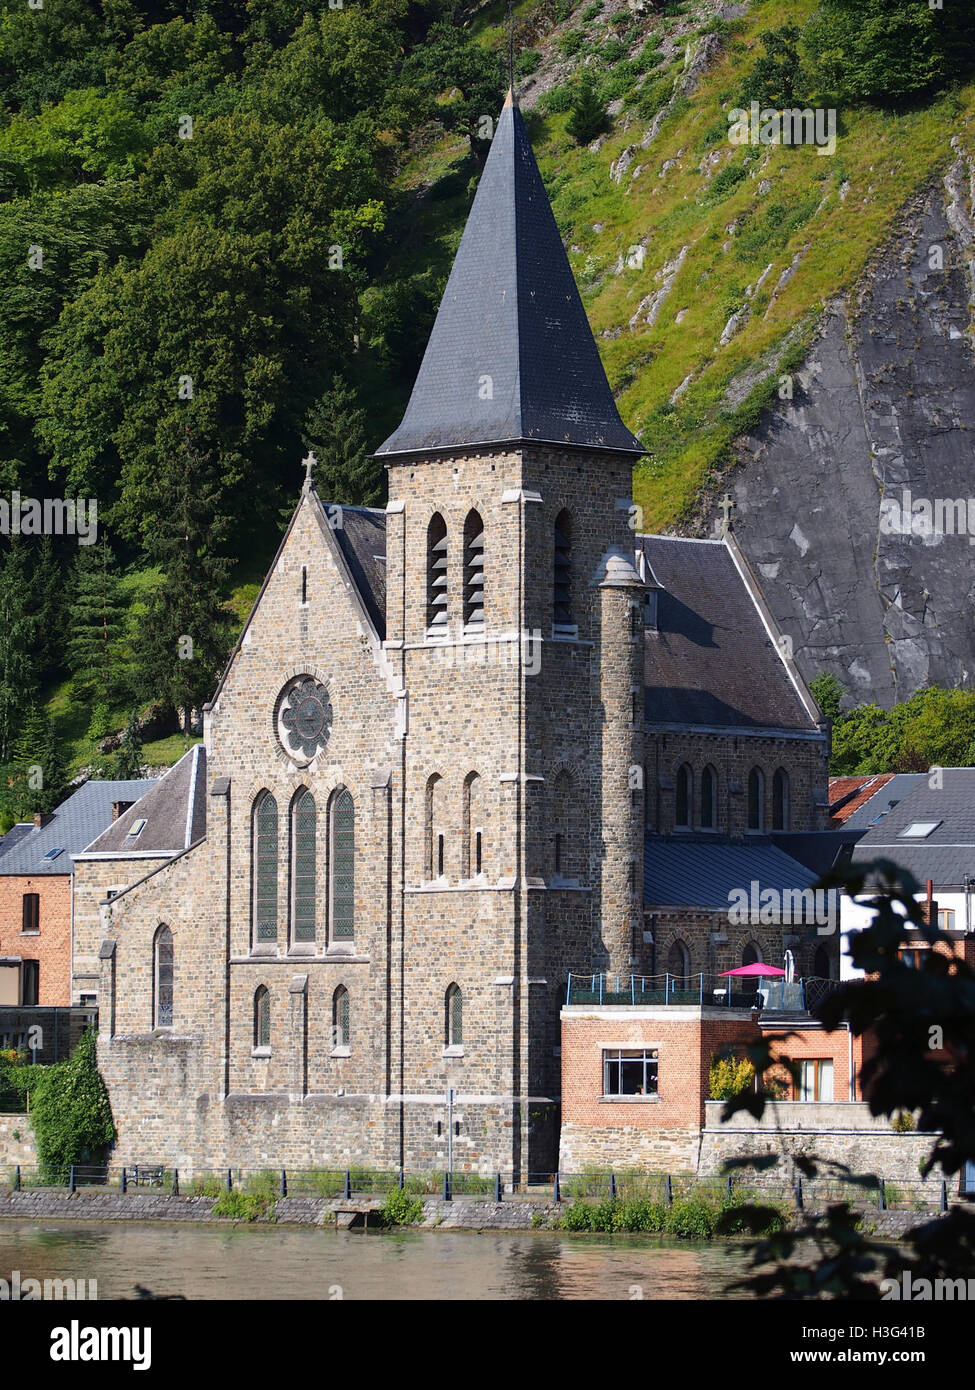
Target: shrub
{"points": [[244, 1206], [556, 100], [745, 1213], [71, 1112], [690, 1217], [527, 62], [578, 1217], [563, 8], [729, 1076], [640, 1215], [591, 11], [903, 1122], [206, 1187], [613, 50], [400, 1209], [570, 42], [726, 179]]}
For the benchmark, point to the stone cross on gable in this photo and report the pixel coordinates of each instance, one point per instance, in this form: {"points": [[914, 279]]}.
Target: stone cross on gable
{"points": [[726, 506], [309, 462]]}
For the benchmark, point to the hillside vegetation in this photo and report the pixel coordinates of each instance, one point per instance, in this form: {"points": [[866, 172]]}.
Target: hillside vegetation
{"points": [[224, 232]]}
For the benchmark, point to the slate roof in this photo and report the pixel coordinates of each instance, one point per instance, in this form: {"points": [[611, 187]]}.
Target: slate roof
{"points": [[947, 855], [171, 825], [362, 538], [14, 835], [819, 850], [703, 871], [711, 660], [511, 312], [887, 794], [73, 826]]}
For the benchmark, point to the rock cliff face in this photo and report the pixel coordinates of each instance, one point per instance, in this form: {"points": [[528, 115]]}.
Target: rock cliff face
{"points": [[884, 406]]}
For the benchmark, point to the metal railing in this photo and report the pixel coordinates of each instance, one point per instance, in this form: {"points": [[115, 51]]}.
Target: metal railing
{"points": [[592, 1185], [721, 990]]}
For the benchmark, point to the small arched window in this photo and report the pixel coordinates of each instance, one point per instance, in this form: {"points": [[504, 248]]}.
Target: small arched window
{"points": [[437, 575], [265, 842], [262, 1017], [472, 828], [822, 963], [756, 799], [562, 572], [709, 799], [340, 1018], [454, 1017], [163, 978], [780, 800], [433, 840], [473, 571], [304, 865], [683, 797], [750, 955], [343, 867], [679, 965]]}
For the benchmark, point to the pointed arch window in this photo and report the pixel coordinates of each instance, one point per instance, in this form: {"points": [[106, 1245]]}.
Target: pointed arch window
{"points": [[562, 572], [709, 798], [471, 830], [303, 866], [679, 965], [454, 1017], [683, 797], [433, 847], [756, 799], [163, 959], [262, 1017], [473, 571], [780, 800], [340, 1018], [265, 842], [343, 867], [751, 955], [437, 575]]}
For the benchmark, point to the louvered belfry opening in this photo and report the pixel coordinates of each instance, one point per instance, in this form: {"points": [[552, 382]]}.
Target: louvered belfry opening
{"points": [[562, 600], [473, 571], [437, 575]]}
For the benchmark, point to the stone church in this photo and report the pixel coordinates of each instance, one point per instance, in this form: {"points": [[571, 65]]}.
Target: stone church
{"points": [[439, 751]]}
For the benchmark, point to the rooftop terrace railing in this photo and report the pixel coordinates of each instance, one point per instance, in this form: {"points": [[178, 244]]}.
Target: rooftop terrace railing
{"points": [[721, 990]]}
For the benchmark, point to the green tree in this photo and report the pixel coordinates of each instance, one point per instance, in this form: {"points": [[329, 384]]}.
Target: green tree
{"points": [[98, 619], [775, 81], [185, 635], [878, 51], [336, 432], [828, 693], [41, 772], [128, 760], [587, 118], [72, 1114], [18, 645]]}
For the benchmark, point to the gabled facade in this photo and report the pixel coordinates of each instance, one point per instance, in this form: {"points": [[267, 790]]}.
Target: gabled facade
{"points": [[426, 770]]}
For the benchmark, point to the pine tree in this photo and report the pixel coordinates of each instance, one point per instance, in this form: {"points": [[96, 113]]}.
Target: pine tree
{"points": [[128, 759], [336, 433], [97, 618], [185, 635], [18, 645], [41, 777], [588, 118]]}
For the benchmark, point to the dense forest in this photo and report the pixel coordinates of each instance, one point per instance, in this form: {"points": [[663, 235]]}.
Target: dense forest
{"points": [[224, 232]]}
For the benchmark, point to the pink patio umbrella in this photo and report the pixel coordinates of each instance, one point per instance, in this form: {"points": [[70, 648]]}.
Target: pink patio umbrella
{"points": [[758, 969]]}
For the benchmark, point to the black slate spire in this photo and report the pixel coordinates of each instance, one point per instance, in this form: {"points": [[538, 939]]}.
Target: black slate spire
{"points": [[511, 357]]}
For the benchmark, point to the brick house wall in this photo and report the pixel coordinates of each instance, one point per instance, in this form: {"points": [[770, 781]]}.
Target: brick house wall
{"points": [[51, 945]]}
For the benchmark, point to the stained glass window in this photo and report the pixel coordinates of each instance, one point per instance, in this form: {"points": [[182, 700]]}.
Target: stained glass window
{"points": [[266, 868], [262, 1017], [340, 1018], [343, 867], [304, 867], [164, 978], [455, 1017]]}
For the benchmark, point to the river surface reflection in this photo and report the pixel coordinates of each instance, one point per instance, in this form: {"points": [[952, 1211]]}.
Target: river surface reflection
{"points": [[248, 1262]]}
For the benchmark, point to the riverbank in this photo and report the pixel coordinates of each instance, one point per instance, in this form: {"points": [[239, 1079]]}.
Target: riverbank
{"points": [[344, 1214]]}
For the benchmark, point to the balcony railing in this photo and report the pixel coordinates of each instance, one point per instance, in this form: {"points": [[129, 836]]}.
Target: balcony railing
{"points": [[721, 990]]}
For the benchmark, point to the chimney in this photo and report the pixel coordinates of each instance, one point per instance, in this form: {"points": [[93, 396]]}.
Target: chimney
{"points": [[41, 818], [931, 909], [119, 808]]}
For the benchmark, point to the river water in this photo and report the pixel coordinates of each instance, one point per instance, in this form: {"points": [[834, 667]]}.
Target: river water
{"points": [[131, 1260]]}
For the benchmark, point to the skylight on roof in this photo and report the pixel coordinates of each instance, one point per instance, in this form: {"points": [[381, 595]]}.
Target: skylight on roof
{"points": [[137, 828], [52, 854], [919, 829]]}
